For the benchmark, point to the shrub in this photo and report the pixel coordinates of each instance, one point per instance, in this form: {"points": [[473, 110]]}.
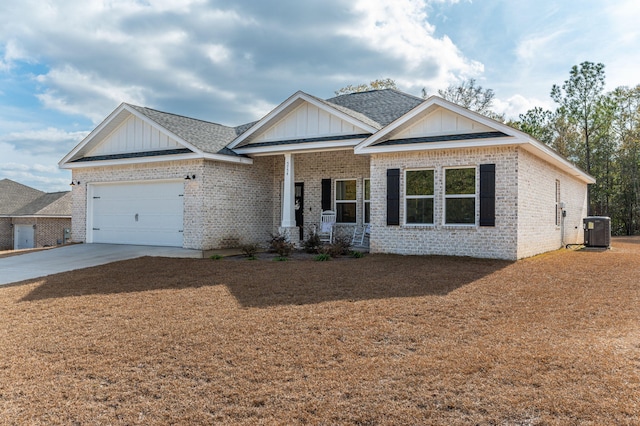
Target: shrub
{"points": [[280, 244], [216, 257], [313, 243], [250, 250], [280, 258]]}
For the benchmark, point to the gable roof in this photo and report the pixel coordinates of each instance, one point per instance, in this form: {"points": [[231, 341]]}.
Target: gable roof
{"points": [[299, 98], [17, 199], [206, 136], [14, 195], [198, 138], [490, 133]]}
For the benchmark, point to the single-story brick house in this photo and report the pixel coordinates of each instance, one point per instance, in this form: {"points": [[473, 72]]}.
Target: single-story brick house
{"points": [[428, 176], [30, 218]]}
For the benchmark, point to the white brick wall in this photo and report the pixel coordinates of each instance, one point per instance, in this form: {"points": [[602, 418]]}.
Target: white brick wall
{"points": [[491, 242], [226, 205], [537, 230], [193, 199], [229, 204], [311, 168]]}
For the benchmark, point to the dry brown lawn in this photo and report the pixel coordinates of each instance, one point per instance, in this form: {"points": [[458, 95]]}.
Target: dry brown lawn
{"points": [[554, 339]]}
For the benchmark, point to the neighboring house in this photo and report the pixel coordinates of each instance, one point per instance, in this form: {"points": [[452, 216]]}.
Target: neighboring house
{"points": [[30, 218], [429, 176]]}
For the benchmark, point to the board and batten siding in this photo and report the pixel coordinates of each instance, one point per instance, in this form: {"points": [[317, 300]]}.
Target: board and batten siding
{"points": [[308, 121], [442, 122], [134, 135]]}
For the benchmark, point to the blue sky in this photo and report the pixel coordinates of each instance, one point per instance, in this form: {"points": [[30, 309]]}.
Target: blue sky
{"points": [[66, 64]]}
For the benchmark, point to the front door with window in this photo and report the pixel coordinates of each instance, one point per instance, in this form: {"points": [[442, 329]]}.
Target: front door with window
{"points": [[299, 200]]}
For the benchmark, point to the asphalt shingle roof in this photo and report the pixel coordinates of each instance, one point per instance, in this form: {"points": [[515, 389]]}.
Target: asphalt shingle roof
{"points": [[17, 199], [207, 136], [14, 195], [381, 106], [49, 204]]}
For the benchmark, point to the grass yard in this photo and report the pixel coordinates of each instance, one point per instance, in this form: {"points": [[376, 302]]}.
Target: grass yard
{"points": [[554, 339]]}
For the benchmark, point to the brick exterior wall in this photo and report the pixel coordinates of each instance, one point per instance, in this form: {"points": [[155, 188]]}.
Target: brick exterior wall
{"points": [[227, 204], [230, 204], [6, 234], [49, 231], [310, 169], [193, 195], [238, 203], [537, 229], [439, 239]]}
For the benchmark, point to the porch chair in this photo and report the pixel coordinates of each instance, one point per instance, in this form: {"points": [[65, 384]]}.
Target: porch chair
{"points": [[327, 220], [360, 233]]}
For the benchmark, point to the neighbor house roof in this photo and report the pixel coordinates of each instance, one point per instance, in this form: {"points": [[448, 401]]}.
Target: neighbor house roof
{"points": [[14, 195], [17, 199], [49, 204]]}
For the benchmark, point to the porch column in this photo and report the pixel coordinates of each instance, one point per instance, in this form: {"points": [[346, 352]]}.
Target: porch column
{"points": [[288, 224]]}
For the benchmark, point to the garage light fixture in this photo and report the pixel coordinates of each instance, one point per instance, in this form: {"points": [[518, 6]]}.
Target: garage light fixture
{"points": [[74, 182], [190, 177]]}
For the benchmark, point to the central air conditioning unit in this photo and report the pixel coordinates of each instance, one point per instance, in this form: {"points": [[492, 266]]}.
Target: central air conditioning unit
{"points": [[597, 231]]}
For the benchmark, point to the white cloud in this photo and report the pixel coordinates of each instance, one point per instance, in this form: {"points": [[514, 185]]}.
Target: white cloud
{"points": [[518, 104], [400, 30], [86, 94]]}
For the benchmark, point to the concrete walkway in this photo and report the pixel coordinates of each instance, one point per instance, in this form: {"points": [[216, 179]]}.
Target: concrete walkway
{"points": [[78, 256]]}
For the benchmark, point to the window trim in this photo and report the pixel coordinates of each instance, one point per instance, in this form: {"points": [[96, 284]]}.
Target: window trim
{"points": [[416, 197], [446, 196], [558, 204], [366, 201], [336, 201]]}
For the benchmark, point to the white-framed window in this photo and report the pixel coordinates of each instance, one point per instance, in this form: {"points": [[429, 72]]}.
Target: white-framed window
{"points": [[366, 200], [460, 196], [558, 205], [346, 202], [418, 196]]}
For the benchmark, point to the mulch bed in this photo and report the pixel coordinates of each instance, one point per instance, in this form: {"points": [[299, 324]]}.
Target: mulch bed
{"points": [[384, 339]]}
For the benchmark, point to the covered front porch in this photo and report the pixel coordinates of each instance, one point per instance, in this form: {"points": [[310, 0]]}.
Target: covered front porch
{"points": [[309, 183]]}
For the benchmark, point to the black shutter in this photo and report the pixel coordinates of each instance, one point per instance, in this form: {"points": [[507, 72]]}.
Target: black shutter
{"points": [[326, 194], [487, 195], [393, 196]]}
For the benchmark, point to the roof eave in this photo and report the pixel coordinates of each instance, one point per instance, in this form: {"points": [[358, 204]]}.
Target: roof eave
{"points": [[299, 148], [125, 161]]}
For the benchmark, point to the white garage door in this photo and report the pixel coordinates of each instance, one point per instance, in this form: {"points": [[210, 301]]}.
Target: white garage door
{"points": [[147, 213]]}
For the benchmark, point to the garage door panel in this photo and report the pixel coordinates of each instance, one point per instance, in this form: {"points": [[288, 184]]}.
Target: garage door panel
{"points": [[140, 213]]}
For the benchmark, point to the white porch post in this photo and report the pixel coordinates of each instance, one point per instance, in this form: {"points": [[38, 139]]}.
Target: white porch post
{"points": [[288, 224]]}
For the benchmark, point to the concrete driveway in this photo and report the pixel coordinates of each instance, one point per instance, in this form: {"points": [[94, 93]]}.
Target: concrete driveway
{"points": [[78, 256]]}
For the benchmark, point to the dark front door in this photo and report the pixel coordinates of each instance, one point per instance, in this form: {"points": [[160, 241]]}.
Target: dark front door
{"points": [[300, 208]]}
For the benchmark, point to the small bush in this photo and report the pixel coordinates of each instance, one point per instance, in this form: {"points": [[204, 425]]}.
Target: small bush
{"points": [[216, 257], [313, 243], [250, 250], [357, 254], [280, 244], [251, 258], [322, 257], [280, 258], [343, 245]]}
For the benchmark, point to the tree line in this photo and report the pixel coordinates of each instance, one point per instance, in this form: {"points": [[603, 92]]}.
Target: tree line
{"points": [[596, 130]]}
